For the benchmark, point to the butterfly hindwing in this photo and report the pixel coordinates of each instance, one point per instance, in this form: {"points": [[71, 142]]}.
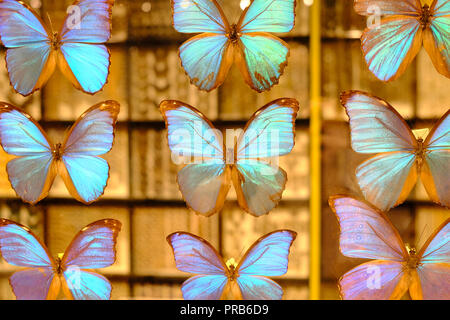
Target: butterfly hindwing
{"points": [[436, 38]]}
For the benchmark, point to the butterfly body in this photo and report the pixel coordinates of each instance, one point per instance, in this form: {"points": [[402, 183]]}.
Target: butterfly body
{"points": [[425, 16]]}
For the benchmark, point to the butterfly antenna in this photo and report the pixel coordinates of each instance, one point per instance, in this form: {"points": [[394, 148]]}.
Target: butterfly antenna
{"points": [[422, 233], [50, 21]]}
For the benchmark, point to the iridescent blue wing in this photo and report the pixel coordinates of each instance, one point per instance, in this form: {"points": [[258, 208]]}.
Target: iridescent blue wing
{"points": [[20, 247], [86, 285], [391, 46], [204, 181], [195, 255], [193, 16], [436, 38], [207, 58], [204, 287], [269, 255], [268, 16], [375, 125], [92, 248], [366, 232], [28, 58], [434, 268], [259, 288], [269, 133], [436, 169], [85, 60], [387, 178], [261, 58], [375, 280], [32, 172], [85, 174]]}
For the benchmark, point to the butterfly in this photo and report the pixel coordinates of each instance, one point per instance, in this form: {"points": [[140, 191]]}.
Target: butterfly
{"points": [[77, 159], [247, 280], [42, 277], [387, 178], [260, 56], [367, 233], [205, 181], [33, 50], [392, 45]]}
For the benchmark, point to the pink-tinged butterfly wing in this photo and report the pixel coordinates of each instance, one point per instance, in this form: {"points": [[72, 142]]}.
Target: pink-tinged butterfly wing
{"points": [[205, 183], [204, 287], [207, 58], [261, 58], [86, 285], [376, 127], [35, 284], [195, 255], [434, 268], [29, 57], [436, 38], [259, 288], [376, 280], [20, 247], [269, 133], [366, 232], [268, 16], [269, 256], [94, 246], [387, 7], [84, 58], [194, 16], [435, 170], [85, 174], [32, 173]]}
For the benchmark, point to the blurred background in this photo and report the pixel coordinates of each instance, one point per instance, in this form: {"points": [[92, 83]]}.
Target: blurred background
{"points": [[142, 192]]}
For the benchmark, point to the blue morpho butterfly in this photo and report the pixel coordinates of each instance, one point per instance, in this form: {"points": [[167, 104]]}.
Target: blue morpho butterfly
{"points": [[42, 276], [245, 158], [77, 160], [391, 45], [34, 50], [367, 233], [260, 56], [247, 280], [387, 178]]}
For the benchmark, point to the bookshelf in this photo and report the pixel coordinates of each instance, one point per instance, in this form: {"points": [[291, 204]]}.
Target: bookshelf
{"points": [[143, 193]]}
